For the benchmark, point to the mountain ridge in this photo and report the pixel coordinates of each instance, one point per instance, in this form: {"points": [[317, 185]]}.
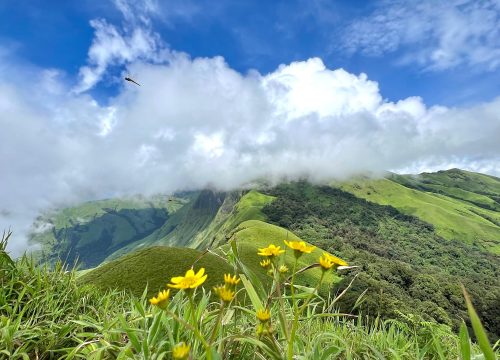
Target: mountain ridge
{"points": [[397, 252]]}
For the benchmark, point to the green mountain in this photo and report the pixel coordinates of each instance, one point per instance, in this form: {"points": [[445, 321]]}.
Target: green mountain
{"points": [[155, 265], [104, 230], [460, 205], [414, 239], [89, 232]]}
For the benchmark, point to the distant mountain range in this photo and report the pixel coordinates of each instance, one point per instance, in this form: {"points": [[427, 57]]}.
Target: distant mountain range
{"points": [[415, 238], [460, 205]]}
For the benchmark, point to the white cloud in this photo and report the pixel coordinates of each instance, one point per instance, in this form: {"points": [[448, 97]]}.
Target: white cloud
{"points": [[134, 40], [112, 47], [195, 122], [137, 12], [435, 35]]}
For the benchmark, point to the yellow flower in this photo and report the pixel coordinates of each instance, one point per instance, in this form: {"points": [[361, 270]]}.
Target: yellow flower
{"points": [[299, 247], [325, 262], [270, 251], [189, 281], [335, 260], [263, 315], [225, 294], [161, 300], [231, 281], [180, 351], [265, 263], [283, 269]]}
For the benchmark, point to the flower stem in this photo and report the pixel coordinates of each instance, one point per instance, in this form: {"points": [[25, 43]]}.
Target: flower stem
{"points": [[295, 313], [282, 306], [195, 328], [216, 326], [316, 289]]}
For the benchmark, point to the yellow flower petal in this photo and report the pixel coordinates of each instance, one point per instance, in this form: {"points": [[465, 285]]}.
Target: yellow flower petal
{"points": [[177, 279], [189, 281], [336, 260], [189, 273], [180, 351], [263, 315]]}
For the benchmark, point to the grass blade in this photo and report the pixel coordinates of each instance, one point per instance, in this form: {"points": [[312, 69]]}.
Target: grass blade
{"points": [[464, 342], [479, 331], [254, 298]]}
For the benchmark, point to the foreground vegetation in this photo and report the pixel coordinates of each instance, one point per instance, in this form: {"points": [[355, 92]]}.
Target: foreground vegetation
{"points": [[45, 315]]}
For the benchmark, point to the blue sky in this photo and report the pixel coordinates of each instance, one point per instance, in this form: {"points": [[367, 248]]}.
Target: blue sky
{"points": [[233, 91], [264, 34]]}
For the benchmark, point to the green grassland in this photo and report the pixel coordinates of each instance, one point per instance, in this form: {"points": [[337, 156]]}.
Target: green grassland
{"points": [[251, 235], [153, 268], [479, 189], [452, 217], [456, 178]]}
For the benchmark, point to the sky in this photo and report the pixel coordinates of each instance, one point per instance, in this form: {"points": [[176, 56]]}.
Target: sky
{"points": [[233, 91]]}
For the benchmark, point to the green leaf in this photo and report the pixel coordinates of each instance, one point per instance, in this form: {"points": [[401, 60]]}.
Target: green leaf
{"points": [[214, 353], [254, 298], [479, 331], [464, 342], [154, 330]]}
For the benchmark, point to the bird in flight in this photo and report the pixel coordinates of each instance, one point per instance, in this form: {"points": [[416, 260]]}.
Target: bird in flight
{"points": [[131, 80]]}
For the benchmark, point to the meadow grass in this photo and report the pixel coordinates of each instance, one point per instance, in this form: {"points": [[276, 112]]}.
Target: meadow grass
{"points": [[151, 268], [452, 218], [251, 235]]}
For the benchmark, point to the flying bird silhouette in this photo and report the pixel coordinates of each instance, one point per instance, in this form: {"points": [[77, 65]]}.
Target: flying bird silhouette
{"points": [[131, 80]]}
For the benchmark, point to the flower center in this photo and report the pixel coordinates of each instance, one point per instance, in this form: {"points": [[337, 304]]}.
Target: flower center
{"points": [[188, 281]]}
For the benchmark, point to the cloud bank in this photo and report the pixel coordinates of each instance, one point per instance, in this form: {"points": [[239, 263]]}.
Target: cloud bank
{"points": [[198, 122]]}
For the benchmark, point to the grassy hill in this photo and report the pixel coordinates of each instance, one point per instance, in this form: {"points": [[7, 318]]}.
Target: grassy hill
{"points": [[479, 189], [253, 234], [154, 267], [414, 238], [460, 205]]}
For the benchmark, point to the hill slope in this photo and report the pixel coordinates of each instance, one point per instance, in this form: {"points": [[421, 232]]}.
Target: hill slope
{"points": [[461, 205], [251, 235], [194, 216], [91, 231], [99, 231], [154, 267]]}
